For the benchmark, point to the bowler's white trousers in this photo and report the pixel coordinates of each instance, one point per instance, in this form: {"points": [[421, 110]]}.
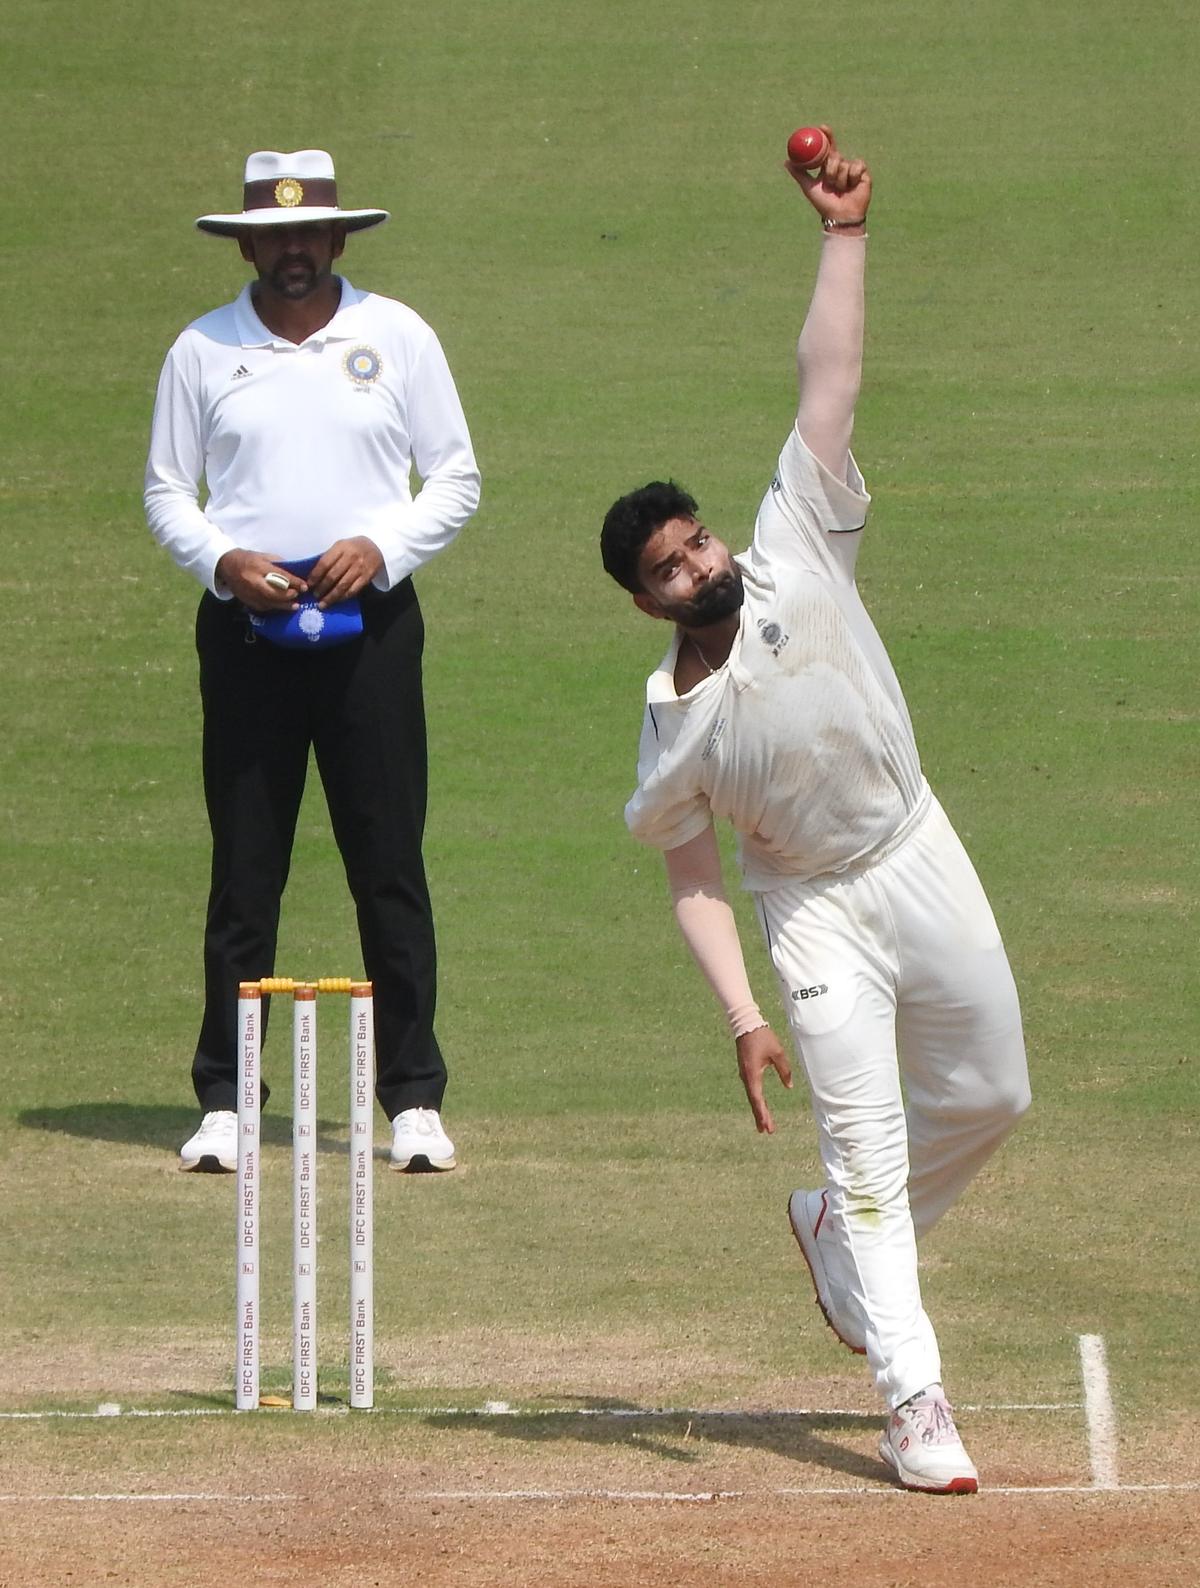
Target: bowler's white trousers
{"points": [[897, 986]]}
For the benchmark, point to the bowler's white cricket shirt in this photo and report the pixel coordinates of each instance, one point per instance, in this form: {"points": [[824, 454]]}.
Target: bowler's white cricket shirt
{"points": [[802, 740], [303, 445]]}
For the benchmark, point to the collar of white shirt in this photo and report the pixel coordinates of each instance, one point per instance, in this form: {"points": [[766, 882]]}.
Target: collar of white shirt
{"points": [[343, 327]]}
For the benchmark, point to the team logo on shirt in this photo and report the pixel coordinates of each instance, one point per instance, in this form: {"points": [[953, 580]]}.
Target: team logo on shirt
{"points": [[772, 635], [363, 365]]}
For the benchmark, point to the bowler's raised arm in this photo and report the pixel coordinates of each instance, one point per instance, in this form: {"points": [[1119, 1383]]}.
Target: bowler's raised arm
{"points": [[829, 353]]}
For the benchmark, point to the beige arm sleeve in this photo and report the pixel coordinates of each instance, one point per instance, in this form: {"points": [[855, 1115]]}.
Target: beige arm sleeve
{"points": [[709, 928], [829, 353]]}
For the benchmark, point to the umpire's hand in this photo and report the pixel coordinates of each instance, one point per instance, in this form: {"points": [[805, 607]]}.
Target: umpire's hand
{"points": [[345, 569], [258, 581]]}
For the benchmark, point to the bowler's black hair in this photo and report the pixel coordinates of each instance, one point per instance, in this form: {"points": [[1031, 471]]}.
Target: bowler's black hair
{"points": [[630, 522]]}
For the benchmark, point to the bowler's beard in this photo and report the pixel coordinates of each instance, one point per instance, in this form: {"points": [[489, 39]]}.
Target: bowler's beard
{"points": [[720, 598], [295, 276]]}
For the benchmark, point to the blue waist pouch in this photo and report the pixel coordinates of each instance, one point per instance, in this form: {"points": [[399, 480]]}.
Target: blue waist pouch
{"points": [[308, 628]]}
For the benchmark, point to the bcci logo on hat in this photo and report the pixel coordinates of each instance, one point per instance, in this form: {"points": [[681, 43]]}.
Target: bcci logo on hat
{"points": [[363, 365]]}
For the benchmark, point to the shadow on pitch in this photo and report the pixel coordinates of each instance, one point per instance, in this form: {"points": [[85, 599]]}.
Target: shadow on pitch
{"points": [[160, 1125], [682, 1436]]}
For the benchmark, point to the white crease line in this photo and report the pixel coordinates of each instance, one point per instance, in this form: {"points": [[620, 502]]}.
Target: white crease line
{"points": [[152, 1499], [1090, 1488], [190, 1411], [1101, 1418], [1024, 1406], [882, 1490], [483, 1412]]}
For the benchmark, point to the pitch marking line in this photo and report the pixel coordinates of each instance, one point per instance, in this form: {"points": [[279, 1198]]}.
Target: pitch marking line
{"points": [[1101, 1418], [880, 1491], [152, 1499], [1097, 1406], [503, 1409]]}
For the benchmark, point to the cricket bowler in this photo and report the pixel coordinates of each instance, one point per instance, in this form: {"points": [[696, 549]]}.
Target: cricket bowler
{"points": [[777, 710]]}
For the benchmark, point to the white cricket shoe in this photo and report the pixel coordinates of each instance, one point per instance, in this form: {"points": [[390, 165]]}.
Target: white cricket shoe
{"points": [[419, 1142], [213, 1148], [808, 1214], [922, 1447]]}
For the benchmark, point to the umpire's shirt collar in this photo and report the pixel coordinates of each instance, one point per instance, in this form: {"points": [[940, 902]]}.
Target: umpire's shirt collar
{"points": [[251, 332]]}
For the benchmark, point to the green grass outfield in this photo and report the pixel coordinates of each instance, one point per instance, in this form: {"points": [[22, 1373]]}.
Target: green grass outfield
{"points": [[588, 205]]}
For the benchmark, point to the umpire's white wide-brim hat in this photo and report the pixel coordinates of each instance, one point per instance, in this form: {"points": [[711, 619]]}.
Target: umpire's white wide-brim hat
{"points": [[289, 190]]}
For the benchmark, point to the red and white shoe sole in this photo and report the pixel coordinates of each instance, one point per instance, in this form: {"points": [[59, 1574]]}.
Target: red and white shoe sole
{"points": [[803, 1235], [964, 1484]]}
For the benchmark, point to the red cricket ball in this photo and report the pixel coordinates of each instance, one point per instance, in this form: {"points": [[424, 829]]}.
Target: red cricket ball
{"points": [[808, 147]]}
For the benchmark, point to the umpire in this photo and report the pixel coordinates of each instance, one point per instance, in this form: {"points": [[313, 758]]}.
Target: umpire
{"points": [[303, 406]]}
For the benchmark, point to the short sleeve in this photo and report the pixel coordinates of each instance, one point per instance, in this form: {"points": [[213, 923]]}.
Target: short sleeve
{"points": [[664, 811], [808, 517]]}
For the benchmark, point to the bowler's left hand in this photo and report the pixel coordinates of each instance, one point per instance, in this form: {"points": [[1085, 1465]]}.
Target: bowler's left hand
{"points": [[757, 1052], [345, 569]]}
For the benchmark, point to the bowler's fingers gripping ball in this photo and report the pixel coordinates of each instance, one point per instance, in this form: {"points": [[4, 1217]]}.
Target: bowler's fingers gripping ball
{"points": [[808, 147]]}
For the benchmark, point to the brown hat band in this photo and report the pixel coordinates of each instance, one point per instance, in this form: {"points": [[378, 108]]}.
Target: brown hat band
{"points": [[290, 193]]}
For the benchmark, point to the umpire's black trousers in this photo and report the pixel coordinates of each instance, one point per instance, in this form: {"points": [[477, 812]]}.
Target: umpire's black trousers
{"points": [[360, 708]]}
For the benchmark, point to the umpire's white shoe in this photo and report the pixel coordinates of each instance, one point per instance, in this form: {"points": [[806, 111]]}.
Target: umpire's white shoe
{"points": [[808, 1214], [213, 1149], [922, 1447], [419, 1142]]}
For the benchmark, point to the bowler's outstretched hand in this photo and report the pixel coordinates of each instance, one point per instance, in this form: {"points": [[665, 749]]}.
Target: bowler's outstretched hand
{"points": [[841, 190], [757, 1052]]}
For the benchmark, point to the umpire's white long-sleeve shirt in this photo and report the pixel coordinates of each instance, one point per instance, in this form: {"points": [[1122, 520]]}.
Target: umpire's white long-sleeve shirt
{"points": [[300, 446]]}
